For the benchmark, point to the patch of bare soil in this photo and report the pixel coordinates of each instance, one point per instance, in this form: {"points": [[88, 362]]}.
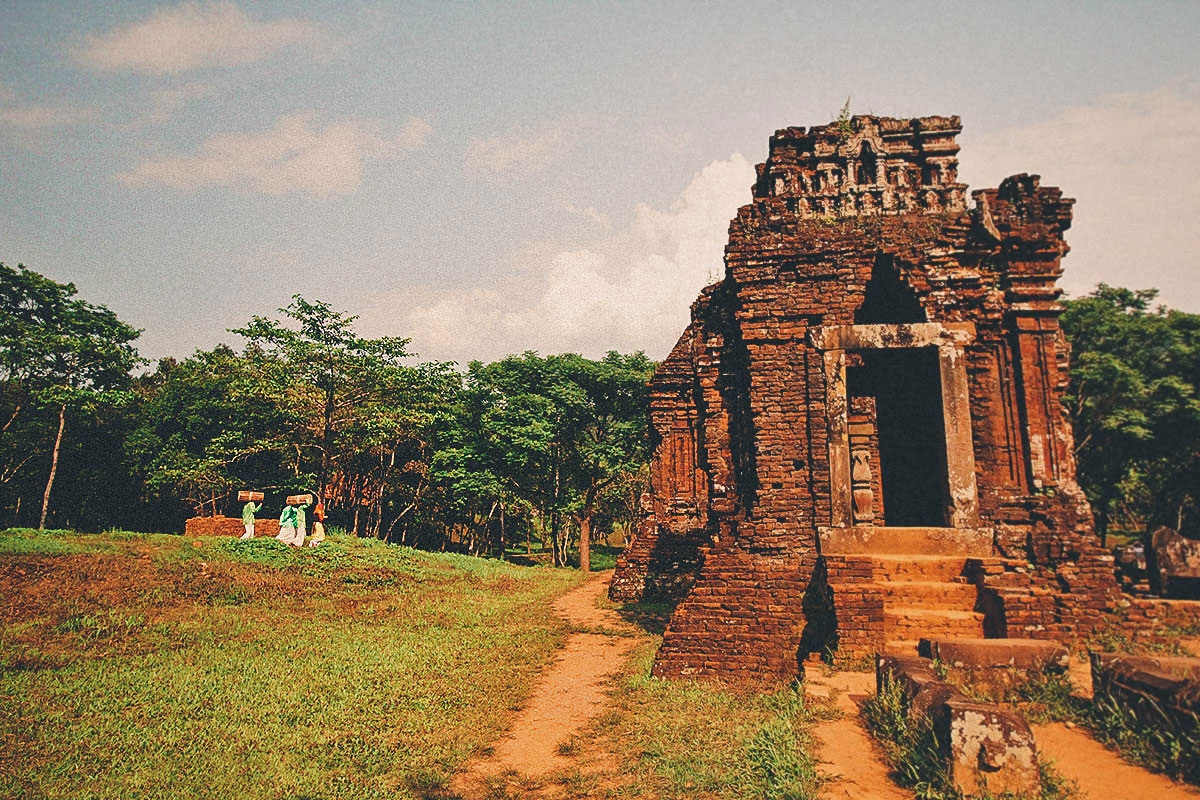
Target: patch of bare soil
{"points": [[59, 608], [846, 753], [569, 695], [1101, 773]]}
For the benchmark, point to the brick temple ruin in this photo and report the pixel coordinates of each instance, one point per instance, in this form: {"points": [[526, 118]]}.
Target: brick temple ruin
{"points": [[859, 438]]}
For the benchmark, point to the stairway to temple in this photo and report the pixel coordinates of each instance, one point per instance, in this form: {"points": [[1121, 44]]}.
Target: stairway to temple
{"points": [[925, 596]]}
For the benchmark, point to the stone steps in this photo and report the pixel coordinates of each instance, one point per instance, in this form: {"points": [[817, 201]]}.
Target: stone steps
{"points": [[946, 569], [925, 596], [908, 623], [929, 594]]}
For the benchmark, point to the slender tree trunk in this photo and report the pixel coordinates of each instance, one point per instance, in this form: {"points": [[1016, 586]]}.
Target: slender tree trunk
{"points": [[326, 441], [585, 544], [62, 423]]}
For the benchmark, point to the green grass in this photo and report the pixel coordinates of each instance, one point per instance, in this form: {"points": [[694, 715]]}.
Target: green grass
{"points": [[688, 739], [142, 666]]}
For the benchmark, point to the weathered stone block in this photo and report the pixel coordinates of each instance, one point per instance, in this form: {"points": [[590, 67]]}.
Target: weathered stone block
{"points": [[992, 750], [1024, 655]]}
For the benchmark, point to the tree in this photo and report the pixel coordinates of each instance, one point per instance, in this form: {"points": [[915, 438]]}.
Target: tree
{"points": [[604, 430], [547, 438], [215, 422], [59, 352], [323, 352], [1134, 405]]}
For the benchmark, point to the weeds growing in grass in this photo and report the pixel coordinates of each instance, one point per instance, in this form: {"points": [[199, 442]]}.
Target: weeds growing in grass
{"points": [[911, 745], [914, 752], [104, 626], [688, 739], [1042, 697], [1152, 739], [779, 760]]}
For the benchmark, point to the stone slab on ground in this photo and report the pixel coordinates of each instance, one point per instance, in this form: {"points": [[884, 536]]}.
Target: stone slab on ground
{"points": [[1017, 654]]}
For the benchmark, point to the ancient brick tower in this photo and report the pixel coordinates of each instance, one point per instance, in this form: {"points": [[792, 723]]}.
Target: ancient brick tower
{"points": [[860, 437]]}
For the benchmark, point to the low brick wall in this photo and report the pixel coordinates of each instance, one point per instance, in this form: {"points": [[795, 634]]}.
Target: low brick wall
{"points": [[228, 526]]}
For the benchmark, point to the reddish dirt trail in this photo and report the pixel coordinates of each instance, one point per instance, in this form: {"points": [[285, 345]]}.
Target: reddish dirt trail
{"points": [[569, 695], [1101, 773], [845, 751]]}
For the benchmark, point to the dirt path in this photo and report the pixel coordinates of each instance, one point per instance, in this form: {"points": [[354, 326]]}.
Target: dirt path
{"points": [[845, 752], [569, 695], [1101, 773]]}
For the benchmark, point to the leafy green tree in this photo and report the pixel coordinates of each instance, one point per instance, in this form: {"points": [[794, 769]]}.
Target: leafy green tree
{"points": [[1135, 408], [326, 363], [59, 352], [545, 438], [213, 423]]}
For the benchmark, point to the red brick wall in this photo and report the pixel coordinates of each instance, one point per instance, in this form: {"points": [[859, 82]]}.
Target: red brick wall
{"points": [[229, 526]]}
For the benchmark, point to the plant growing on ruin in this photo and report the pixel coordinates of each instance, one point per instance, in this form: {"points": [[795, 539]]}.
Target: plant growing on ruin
{"points": [[844, 128]]}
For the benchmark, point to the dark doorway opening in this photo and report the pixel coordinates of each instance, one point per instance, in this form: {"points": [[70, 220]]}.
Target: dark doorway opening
{"points": [[906, 385]]}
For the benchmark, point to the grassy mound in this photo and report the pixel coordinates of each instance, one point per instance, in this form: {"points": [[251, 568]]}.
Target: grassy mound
{"points": [[142, 665]]}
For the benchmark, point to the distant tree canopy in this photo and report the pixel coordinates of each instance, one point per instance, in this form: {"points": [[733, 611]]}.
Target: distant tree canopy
{"points": [[527, 448], [547, 449], [1133, 399]]}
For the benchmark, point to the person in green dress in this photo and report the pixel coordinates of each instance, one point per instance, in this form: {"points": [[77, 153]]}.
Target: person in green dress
{"points": [[300, 524], [248, 512]]}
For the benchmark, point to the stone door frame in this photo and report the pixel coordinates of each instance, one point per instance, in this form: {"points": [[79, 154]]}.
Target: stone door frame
{"points": [[949, 338]]}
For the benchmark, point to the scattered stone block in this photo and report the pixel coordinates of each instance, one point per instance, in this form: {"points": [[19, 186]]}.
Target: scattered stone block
{"points": [[990, 750], [1022, 655], [1160, 690], [1174, 563]]}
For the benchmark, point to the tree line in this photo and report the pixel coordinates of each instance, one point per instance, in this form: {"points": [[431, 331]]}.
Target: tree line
{"points": [[531, 450]]}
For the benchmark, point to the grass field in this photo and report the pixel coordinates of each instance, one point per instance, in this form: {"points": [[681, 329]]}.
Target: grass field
{"points": [[153, 666]]}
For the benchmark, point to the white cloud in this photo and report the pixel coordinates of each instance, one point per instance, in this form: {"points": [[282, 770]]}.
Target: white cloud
{"points": [[521, 151], [1130, 162], [590, 213], [195, 35], [29, 123], [296, 155], [41, 116], [628, 292], [163, 103]]}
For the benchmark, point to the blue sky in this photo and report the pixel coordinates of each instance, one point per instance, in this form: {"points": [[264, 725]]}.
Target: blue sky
{"points": [[491, 177]]}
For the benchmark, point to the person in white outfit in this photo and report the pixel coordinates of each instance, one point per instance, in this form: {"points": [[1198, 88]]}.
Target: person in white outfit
{"points": [[287, 525], [248, 512]]}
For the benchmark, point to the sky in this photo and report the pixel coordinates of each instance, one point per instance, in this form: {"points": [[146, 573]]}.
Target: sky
{"points": [[488, 178]]}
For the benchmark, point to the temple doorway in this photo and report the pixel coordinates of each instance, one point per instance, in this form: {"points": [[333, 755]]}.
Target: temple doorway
{"points": [[903, 392]]}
